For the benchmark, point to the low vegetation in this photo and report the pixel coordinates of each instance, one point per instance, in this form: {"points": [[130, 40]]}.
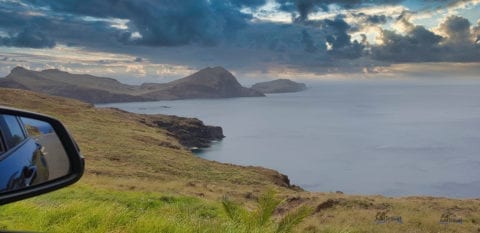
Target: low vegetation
{"points": [[260, 219], [140, 179]]}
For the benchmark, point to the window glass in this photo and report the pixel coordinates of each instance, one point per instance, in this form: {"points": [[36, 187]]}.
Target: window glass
{"points": [[2, 147], [16, 135]]}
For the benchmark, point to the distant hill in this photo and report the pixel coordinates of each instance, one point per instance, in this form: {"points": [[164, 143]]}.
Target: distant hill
{"points": [[206, 83], [279, 86], [87, 88]]}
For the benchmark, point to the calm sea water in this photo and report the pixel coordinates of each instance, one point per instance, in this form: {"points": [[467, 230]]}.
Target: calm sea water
{"points": [[366, 137]]}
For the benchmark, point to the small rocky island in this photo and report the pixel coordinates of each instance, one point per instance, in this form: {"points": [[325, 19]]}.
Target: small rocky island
{"points": [[279, 86]]}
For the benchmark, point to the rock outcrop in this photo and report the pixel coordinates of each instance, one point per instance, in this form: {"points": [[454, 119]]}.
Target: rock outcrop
{"points": [[190, 132]]}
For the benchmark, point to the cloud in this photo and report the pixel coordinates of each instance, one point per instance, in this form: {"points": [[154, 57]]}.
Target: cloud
{"points": [[459, 42], [456, 4], [422, 45], [323, 36], [338, 40], [418, 45], [370, 19], [165, 22], [308, 42], [28, 38], [476, 34], [248, 3], [457, 30], [46, 29], [306, 7]]}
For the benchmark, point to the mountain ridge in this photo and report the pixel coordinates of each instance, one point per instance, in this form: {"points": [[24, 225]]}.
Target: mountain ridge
{"points": [[214, 82]]}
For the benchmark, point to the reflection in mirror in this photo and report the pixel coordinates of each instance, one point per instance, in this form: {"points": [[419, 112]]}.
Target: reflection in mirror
{"points": [[30, 153]]}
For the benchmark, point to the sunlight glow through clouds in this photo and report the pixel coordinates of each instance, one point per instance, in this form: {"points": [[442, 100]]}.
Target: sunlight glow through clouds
{"points": [[76, 60], [269, 12], [431, 18]]}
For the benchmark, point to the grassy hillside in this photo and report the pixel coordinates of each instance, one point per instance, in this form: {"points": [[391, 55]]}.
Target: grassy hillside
{"points": [[139, 179], [123, 152]]}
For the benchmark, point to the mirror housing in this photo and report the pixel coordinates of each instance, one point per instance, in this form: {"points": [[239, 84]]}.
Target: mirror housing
{"points": [[76, 161]]}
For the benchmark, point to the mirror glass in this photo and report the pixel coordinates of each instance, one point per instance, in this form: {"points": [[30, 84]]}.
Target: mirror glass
{"points": [[30, 153]]}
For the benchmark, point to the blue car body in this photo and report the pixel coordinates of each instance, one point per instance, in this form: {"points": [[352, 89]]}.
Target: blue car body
{"points": [[22, 163]]}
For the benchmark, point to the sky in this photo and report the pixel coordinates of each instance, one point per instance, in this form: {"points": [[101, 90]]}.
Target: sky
{"points": [[139, 41]]}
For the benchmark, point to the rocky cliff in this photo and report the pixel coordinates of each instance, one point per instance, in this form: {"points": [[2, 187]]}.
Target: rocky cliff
{"points": [[190, 132]]}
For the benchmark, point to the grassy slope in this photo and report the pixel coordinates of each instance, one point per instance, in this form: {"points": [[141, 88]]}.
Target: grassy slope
{"points": [[134, 183], [121, 152]]}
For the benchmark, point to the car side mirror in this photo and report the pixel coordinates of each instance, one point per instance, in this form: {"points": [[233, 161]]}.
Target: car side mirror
{"points": [[37, 155]]}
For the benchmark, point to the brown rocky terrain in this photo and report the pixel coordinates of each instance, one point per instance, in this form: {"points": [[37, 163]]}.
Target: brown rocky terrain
{"points": [[190, 132]]}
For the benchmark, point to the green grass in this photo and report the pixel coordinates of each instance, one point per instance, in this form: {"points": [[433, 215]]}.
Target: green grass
{"points": [[86, 209], [83, 208], [260, 219]]}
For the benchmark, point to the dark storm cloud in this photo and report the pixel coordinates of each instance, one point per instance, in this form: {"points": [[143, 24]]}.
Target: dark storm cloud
{"points": [[28, 38], [166, 22], [42, 30], [422, 45], [419, 45], [308, 42], [336, 35], [460, 42], [305, 7], [457, 30], [313, 35], [21, 30], [340, 40]]}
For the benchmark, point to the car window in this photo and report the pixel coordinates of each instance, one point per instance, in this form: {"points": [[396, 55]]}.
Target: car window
{"points": [[2, 147], [15, 134]]}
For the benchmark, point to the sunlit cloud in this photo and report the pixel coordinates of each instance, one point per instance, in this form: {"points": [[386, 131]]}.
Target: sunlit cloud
{"points": [[431, 70], [76, 60], [269, 13]]}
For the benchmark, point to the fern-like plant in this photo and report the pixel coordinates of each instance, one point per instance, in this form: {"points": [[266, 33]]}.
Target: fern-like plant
{"points": [[260, 219]]}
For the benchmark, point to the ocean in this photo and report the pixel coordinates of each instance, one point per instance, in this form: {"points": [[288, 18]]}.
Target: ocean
{"points": [[393, 138]]}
